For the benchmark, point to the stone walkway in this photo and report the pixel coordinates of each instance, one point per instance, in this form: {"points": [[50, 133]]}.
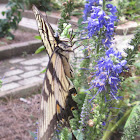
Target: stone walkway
{"points": [[30, 25], [22, 71], [23, 74]]}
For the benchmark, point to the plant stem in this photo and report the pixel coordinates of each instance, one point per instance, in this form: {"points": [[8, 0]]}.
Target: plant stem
{"points": [[103, 5], [112, 127], [97, 50]]}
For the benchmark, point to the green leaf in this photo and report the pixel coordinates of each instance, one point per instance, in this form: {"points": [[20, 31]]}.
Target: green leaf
{"points": [[64, 134], [132, 115], [80, 20], [44, 70], [40, 49], [38, 37], [137, 64], [21, 6], [65, 32], [69, 136], [3, 13], [131, 128], [0, 83], [2, 43], [9, 38], [79, 135], [33, 134]]}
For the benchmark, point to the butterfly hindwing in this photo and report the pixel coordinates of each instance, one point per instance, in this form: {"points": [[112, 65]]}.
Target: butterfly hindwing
{"points": [[56, 101]]}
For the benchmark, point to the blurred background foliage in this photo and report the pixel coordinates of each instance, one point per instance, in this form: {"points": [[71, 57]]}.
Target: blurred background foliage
{"points": [[13, 17], [127, 10]]}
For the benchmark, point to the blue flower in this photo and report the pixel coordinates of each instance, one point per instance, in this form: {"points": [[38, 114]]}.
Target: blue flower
{"points": [[87, 10], [88, 7], [117, 68], [111, 8], [123, 62], [103, 123], [99, 20], [107, 75]]}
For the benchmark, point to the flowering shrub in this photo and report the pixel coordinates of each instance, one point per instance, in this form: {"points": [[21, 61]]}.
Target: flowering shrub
{"points": [[101, 19], [104, 68], [106, 95]]}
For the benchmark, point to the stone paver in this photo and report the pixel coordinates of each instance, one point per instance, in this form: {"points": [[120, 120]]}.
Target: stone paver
{"points": [[122, 41], [26, 23], [42, 76], [29, 68], [46, 59], [44, 64], [13, 72], [19, 71], [30, 80], [9, 86], [30, 74], [16, 60], [31, 62], [11, 79]]}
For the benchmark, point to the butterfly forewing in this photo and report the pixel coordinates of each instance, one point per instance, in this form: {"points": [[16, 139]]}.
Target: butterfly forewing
{"points": [[46, 31], [56, 102]]}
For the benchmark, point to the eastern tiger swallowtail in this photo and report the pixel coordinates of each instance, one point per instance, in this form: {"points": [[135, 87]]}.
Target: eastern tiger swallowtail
{"points": [[56, 101]]}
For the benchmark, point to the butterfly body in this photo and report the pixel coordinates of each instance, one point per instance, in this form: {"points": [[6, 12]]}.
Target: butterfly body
{"points": [[56, 100]]}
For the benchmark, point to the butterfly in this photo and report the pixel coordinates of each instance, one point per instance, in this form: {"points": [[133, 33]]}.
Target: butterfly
{"points": [[56, 100]]}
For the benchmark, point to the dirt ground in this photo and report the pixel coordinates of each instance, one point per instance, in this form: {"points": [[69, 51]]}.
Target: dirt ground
{"points": [[20, 36], [19, 117]]}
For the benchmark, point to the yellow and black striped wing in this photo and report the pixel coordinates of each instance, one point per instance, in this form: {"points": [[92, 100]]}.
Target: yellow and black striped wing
{"points": [[56, 102], [56, 98], [46, 31]]}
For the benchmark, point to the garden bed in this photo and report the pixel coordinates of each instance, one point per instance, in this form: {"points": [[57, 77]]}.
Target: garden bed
{"points": [[127, 27], [19, 36], [24, 42], [19, 118], [4, 1], [53, 16]]}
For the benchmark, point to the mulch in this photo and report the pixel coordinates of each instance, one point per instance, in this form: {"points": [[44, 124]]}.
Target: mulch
{"points": [[19, 117]]}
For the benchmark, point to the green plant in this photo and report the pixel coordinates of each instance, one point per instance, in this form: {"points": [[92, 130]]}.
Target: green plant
{"points": [[24, 54], [132, 124], [131, 53], [108, 116], [43, 5], [65, 14], [13, 17], [137, 64], [129, 8], [0, 83]]}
